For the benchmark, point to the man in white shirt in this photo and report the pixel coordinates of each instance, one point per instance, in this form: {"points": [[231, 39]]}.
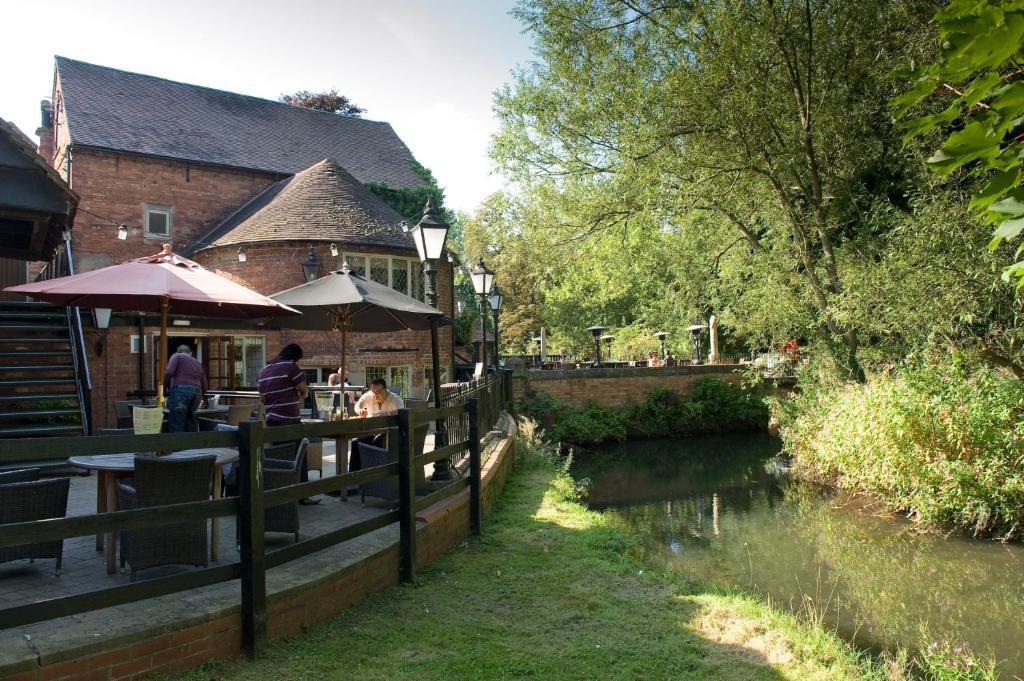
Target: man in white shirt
{"points": [[379, 401]]}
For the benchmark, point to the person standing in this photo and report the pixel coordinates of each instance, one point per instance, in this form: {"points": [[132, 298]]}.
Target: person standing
{"points": [[282, 387], [185, 384]]}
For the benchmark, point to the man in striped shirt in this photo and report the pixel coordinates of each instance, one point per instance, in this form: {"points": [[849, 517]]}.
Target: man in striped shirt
{"points": [[282, 386]]}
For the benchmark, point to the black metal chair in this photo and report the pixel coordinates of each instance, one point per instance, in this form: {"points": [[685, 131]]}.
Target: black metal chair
{"points": [[159, 482], [33, 499]]}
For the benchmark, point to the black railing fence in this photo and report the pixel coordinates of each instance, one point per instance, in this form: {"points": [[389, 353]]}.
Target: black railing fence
{"points": [[494, 394], [249, 506]]}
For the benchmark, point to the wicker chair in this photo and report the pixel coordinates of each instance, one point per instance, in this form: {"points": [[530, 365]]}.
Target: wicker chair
{"points": [[208, 425], [370, 456], [123, 410], [20, 475], [239, 412], [33, 500], [158, 482], [282, 466]]}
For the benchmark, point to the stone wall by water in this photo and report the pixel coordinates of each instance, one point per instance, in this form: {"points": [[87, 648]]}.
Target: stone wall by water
{"points": [[617, 387]]}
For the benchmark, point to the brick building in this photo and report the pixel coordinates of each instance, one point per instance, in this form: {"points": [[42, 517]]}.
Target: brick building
{"points": [[216, 173]]}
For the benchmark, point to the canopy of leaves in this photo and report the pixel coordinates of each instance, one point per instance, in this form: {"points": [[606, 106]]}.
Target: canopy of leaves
{"points": [[682, 159], [973, 97], [331, 102]]}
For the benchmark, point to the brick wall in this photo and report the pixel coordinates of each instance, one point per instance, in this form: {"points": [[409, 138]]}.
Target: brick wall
{"points": [[616, 387], [273, 267]]}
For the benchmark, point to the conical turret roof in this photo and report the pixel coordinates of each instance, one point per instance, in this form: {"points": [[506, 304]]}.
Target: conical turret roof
{"points": [[322, 203]]}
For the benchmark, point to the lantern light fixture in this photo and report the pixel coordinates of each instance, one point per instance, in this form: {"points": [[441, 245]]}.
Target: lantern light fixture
{"points": [[429, 234], [122, 231], [334, 250], [241, 254], [311, 267], [496, 298], [483, 278]]}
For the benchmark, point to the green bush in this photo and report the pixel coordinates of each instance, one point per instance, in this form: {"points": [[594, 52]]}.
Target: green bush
{"points": [[941, 441], [536, 404], [590, 426], [714, 406]]}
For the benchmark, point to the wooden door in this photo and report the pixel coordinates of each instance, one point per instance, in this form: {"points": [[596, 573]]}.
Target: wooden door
{"points": [[219, 362]]}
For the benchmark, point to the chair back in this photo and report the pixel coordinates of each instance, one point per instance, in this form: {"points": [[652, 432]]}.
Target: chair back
{"points": [[289, 452], [239, 412], [207, 425], [123, 408], [167, 480], [33, 500], [20, 475]]}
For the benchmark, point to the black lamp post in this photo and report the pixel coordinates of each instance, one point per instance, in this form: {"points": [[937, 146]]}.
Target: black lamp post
{"points": [[430, 234], [608, 338], [483, 280], [495, 300], [537, 340], [661, 336], [311, 268], [695, 330], [597, 331]]}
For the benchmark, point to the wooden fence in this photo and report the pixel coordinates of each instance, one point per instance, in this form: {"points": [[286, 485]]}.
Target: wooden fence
{"points": [[249, 506]]}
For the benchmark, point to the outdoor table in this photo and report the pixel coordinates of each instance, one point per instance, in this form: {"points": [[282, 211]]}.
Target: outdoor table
{"points": [[109, 467]]}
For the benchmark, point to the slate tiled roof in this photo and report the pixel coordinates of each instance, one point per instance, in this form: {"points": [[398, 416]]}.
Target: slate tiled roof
{"points": [[131, 112], [322, 203]]}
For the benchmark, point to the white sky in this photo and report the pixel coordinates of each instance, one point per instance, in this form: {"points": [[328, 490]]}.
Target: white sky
{"points": [[429, 68]]}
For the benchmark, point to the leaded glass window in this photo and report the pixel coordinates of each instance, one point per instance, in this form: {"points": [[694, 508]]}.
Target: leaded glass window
{"points": [[379, 270]]}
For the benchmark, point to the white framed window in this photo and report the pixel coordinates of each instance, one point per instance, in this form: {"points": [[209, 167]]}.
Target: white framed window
{"points": [[157, 220], [402, 274], [136, 341], [398, 378]]}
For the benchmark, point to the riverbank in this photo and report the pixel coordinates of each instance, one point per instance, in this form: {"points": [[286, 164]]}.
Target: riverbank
{"points": [[941, 441], [550, 591]]}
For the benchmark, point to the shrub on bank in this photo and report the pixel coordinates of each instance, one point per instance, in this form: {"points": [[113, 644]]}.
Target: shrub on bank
{"points": [[713, 406], [942, 441]]}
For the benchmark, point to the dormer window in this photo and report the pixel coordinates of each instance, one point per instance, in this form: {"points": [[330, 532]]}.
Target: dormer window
{"points": [[157, 220]]}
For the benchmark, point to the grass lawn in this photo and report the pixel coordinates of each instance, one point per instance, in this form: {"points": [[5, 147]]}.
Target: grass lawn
{"points": [[549, 592]]}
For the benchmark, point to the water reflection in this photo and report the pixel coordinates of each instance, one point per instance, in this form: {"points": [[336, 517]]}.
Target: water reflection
{"points": [[711, 508]]}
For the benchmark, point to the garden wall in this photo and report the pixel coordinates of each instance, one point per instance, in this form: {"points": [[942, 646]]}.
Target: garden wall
{"points": [[617, 387]]}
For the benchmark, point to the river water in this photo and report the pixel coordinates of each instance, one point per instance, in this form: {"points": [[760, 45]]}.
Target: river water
{"points": [[719, 509]]}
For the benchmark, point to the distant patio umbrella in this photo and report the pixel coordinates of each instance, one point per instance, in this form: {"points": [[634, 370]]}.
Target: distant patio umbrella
{"points": [[164, 283], [345, 301]]}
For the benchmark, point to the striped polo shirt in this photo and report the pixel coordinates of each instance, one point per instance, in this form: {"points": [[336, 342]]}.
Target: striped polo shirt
{"points": [[278, 385]]}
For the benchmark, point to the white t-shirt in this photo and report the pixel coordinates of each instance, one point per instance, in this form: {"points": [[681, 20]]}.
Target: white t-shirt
{"points": [[392, 403]]}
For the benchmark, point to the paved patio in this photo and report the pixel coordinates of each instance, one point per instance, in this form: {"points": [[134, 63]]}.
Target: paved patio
{"points": [[84, 568]]}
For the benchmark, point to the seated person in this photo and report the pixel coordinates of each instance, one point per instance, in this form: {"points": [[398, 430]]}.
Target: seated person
{"points": [[654, 360], [670, 360], [336, 380], [378, 401]]}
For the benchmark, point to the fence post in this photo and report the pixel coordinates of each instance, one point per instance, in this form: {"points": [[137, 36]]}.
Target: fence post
{"points": [[473, 406], [406, 498], [250, 537]]}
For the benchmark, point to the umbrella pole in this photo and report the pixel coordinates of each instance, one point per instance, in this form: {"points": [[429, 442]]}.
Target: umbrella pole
{"points": [[162, 362]]}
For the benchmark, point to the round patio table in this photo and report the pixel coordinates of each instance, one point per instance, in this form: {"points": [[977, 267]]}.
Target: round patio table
{"points": [[110, 467]]}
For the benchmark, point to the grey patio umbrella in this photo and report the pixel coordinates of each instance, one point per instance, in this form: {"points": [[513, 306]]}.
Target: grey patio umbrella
{"points": [[346, 301]]}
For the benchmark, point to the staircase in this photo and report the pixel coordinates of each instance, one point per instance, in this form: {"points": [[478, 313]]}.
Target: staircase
{"points": [[40, 394]]}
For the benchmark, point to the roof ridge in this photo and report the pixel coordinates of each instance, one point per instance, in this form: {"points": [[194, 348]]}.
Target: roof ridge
{"points": [[58, 58]]}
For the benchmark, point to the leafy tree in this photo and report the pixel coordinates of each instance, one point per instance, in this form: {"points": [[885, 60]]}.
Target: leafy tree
{"points": [[978, 83], [331, 102], [771, 117]]}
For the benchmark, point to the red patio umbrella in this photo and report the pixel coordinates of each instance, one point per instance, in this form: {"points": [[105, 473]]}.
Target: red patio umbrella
{"points": [[164, 283]]}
